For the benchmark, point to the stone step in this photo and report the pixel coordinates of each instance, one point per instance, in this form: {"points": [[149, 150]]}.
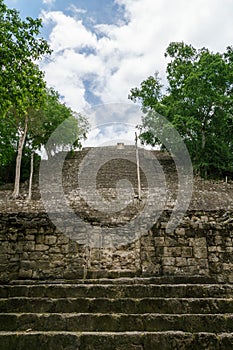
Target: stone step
{"points": [[111, 340], [123, 280], [117, 291], [120, 322], [126, 305]]}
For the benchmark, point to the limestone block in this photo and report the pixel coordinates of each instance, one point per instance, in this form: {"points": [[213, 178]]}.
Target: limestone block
{"points": [[212, 249], [36, 255], [204, 218], [31, 231], [229, 249], [228, 242], [180, 231], [202, 263], [64, 249], [25, 273], [3, 259], [170, 242], [169, 261], [191, 261], [13, 237], [29, 246], [186, 252], [230, 277], [27, 264], [218, 240], [50, 240], [39, 239], [213, 258], [41, 247], [199, 247], [30, 237], [172, 251], [181, 261], [169, 269]]}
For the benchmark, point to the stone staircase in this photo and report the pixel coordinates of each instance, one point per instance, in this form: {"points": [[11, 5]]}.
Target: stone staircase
{"points": [[123, 313]]}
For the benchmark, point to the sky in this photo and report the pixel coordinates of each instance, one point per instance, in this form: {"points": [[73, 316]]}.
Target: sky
{"points": [[103, 48]]}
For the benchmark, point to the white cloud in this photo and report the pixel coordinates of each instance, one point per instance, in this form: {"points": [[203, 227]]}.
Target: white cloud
{"points": [[76, 10], [68, 33], [49, 2], [112, 123], [125, 54]]}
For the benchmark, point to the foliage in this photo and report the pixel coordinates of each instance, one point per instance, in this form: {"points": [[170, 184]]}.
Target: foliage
{"points": [[22, 84], [21, 81], [45, 121], [29, 112], [8, 141], [198, 102], [42, 123]]}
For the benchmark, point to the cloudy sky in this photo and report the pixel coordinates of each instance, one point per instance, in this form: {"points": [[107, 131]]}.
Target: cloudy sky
{"points": [[103, 48]]}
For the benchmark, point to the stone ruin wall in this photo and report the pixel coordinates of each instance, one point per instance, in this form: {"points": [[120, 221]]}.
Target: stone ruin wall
{"points": [[31, 247]]}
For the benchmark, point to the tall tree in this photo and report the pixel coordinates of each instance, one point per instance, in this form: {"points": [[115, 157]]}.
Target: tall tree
{"points": [[22, 84], [41, 125], [8, 141], [198, 102], [45, 121]]}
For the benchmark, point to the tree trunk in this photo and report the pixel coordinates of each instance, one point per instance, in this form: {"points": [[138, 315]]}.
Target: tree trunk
{"points": [[203, 139], [203, 144], [15, 193], [31, 176], [138, 167]]}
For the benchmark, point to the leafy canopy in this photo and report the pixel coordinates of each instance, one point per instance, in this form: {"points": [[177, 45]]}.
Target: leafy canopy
{"points": [[21, 81], [198, 102], [45, 121]]}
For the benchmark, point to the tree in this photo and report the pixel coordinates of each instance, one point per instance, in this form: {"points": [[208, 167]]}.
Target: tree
{"points": [[42, 124], [22, 84], [198, 102], [45, 121], [8, 141]]}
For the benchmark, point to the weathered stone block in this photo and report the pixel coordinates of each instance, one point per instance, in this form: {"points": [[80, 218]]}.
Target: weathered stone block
{"points": [[199, 247], [181, 261], [191, 261], [213, 258], [169, 269], [13, 237], [170, 242], [168, 261], [50, 240], [186, 252], [229, 249], [27, 265], [25, 273], [180, 231], [36, 255], [159, 241], [29, 246], [31, 231], [41, 247], [64, 249], [218, 240], [203, 263], [30, 237], [4, 259], [54, 249], [212, 249], [40, 239], [172, 251]]}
